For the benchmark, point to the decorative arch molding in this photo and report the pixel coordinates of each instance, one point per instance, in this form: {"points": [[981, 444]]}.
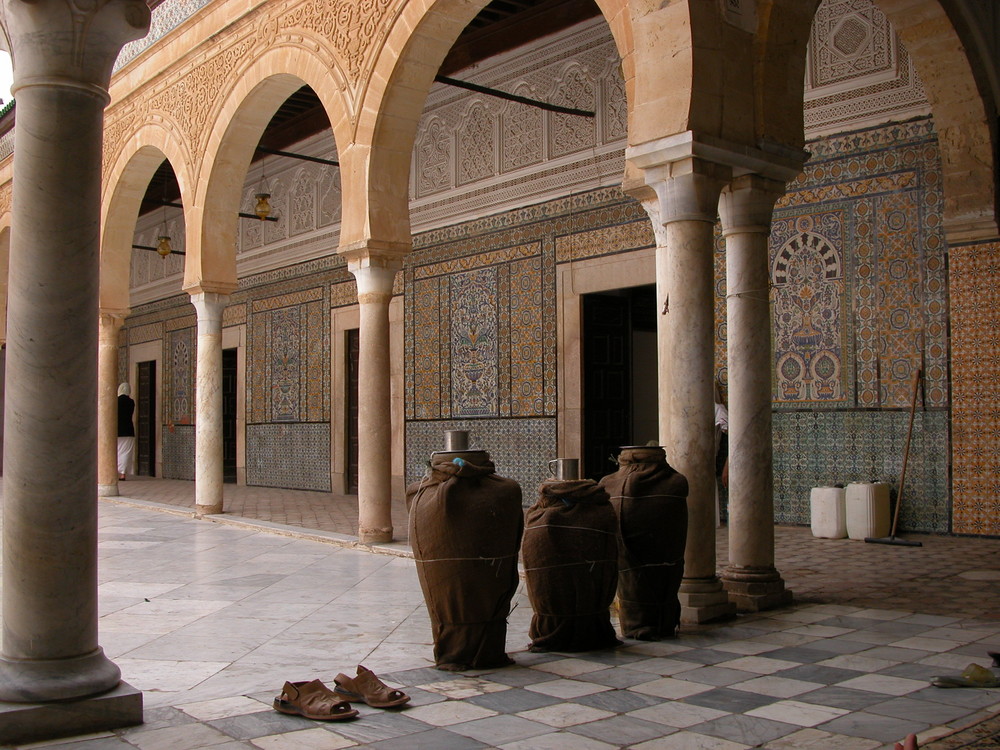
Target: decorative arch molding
{"points": [[129, 170], [246, 108]]}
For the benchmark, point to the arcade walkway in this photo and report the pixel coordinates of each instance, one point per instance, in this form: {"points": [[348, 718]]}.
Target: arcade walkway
{"points": [[210, 618]]}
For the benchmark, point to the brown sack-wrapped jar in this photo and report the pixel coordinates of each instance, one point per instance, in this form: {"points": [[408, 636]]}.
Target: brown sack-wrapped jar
{"points": [[650, 500], [465, 530], [571, 565]]}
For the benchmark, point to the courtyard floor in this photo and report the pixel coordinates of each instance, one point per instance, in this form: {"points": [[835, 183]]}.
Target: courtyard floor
{"points": [[209, 617]]}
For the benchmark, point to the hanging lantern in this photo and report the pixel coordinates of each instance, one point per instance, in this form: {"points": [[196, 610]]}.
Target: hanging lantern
{"points": [[263, 207], [163, 245]]}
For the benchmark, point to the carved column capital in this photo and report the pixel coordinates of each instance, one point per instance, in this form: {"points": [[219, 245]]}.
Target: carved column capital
{"points": [[746, 204], [210, 306], [688, 189], [374, 270], [112, 320], [69, 43]]}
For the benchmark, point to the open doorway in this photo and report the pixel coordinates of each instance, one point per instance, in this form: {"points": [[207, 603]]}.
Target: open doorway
{"points": [[229, 427], [145, 412], [619, 374], [353, 349]]}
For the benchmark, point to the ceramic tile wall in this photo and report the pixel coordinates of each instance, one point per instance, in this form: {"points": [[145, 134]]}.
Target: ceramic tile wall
{"points": [[975, 384], [293, 456], [178, 452], [818, 448], [519, 448]]}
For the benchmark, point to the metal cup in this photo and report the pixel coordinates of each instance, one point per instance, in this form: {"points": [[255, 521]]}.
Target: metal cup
{"points": [[456, 440], [565, 468]]}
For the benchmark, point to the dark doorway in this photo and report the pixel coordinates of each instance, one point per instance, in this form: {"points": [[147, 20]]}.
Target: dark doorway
{"points": [[619, 375], [145, 407], [229, 415], [353, 347]]}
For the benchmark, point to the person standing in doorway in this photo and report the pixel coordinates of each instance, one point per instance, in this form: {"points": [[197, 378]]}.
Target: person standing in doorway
{"points": [[126, 430], [721, 451]]}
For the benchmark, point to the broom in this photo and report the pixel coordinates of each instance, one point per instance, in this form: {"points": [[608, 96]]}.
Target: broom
{"points": [[892, 538]]}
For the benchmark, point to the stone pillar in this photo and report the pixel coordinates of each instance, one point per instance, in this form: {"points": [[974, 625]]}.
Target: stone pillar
{"points": [[663, 364], [750, 578], [107, 403], [208, 403], [688, 192], [62, 54], [374, 273]]}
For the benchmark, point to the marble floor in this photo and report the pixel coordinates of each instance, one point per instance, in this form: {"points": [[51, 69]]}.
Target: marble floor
{"points": [[209, 619]]}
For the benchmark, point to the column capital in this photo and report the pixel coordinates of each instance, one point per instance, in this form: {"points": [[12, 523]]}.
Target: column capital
{"points": [[209, 306], [114, 319], [374, 268], [746, 204], [67, 43], [210, 287], [688, 189]]}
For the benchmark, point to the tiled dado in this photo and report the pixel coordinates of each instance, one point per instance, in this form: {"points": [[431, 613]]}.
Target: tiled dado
{"points": [[817, 448], [293, 456], [178, 452], [519, 448], [975, 388]]}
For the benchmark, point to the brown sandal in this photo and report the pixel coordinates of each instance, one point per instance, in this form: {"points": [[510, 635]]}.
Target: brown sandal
{"points": [[370, 689], [313, 700]]}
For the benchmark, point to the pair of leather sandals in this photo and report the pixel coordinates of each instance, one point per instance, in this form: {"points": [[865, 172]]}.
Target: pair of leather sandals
{"points": [[312, 699]]}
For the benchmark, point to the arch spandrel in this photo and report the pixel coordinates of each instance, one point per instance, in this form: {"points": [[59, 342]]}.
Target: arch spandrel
{"points": [[962, 115], [129, 172], [246, 110], [937, 50]]}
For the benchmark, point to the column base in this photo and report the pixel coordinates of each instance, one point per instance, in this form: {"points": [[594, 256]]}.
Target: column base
{"points": [[207, 510], [755, 589], [32, 722], [704, 600], [375, 536], [107, 490], [43, 680]]}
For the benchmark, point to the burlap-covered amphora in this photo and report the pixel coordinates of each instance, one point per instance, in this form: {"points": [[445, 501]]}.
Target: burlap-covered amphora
{"points": [[465, 531], [571, 566], [650, 502]]}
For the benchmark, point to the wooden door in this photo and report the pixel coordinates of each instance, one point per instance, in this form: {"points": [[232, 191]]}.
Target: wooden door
{"points": [[353, 348], [145, 407], [229, 415]]}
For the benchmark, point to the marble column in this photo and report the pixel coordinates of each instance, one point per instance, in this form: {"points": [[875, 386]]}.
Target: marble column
{"points": [[62, 54], [689, 196], [750, 578], [208, 458], [374, 273], [663, 364], [107, 402]]}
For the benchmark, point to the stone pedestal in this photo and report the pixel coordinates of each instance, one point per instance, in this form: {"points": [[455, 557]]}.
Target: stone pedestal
{"points": [[29, 722], [208, 471], [107, 403], [63, 53], [750, 578], [374, 273]]}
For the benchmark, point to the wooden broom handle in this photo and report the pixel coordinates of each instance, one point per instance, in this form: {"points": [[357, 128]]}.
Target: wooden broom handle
{"points": [[906, 450]]}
